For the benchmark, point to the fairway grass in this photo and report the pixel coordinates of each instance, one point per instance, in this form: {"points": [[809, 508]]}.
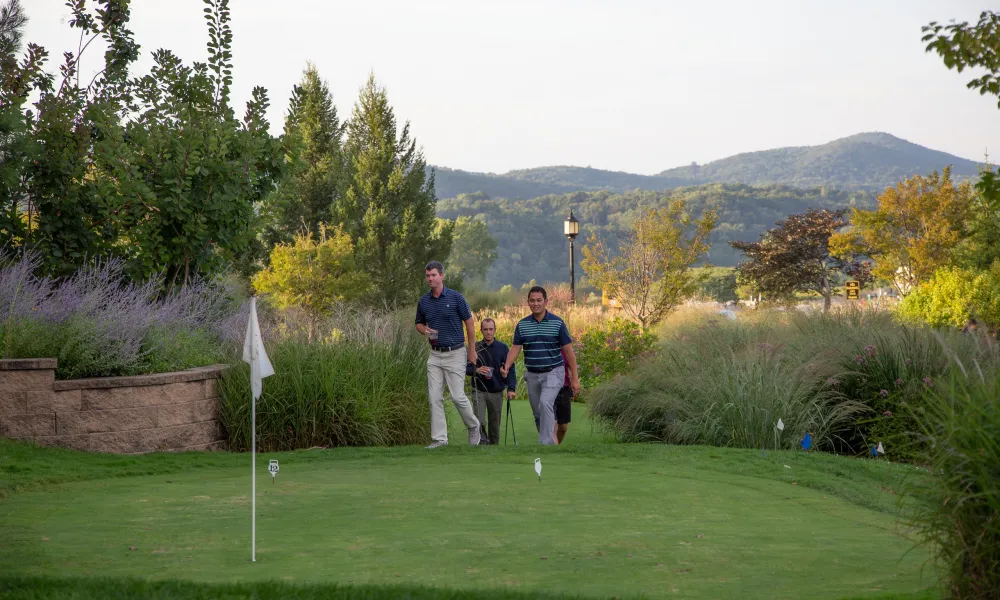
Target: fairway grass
{"points": [[605, 520]]}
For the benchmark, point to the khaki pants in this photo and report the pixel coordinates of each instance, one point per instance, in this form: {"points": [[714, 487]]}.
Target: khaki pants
{"points": [[493, 401], [448, 368]]}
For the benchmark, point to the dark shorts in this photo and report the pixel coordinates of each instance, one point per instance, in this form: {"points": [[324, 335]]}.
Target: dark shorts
{"points": [[564, 405]]}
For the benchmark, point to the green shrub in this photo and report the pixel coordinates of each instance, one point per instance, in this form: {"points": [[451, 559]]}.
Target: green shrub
{"points": [[956, 510], [610, 348], [718, 283], [365, 387], [953, 296], [725, 383], [850, 379]]}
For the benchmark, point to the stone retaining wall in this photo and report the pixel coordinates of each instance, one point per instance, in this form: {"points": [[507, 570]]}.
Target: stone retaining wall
{"points": [[125, 415]]}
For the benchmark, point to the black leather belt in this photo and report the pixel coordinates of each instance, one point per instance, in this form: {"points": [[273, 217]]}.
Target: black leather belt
{"points": [[541, 370], [448, 348]]}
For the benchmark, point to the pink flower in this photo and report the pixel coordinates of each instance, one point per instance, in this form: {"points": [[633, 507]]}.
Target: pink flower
{"points": [[887, 413], [883, 393], [832, 382], [859, 359], [927, 381], [899, 381], [908, 362], [870, 350]]}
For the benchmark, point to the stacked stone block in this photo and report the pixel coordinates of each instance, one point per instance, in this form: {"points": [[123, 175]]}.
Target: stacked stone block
{"points": [[125, 415]]}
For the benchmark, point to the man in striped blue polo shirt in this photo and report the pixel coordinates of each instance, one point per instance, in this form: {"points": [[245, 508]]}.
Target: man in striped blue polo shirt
{"points": [[441, 313], [544, 338]]}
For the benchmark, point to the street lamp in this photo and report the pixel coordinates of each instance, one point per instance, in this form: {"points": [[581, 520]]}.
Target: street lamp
{"points": [[571, 228]]}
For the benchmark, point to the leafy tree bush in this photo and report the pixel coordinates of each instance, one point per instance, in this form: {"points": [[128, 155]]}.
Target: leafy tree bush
{"points": [[388, 209], [648, 272], [611, 348], [954, 295], [794, 256], [316, 174], [717, 283], [313, 275], [915, 230], [155, 170]]}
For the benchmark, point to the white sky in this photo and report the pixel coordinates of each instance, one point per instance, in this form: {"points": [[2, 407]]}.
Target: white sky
{"points": [[629, 85]]}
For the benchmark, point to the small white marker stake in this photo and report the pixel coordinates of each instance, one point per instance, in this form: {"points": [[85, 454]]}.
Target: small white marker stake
{"points": [[781, 426], [272, 468], [880, 449], [538, 468]]}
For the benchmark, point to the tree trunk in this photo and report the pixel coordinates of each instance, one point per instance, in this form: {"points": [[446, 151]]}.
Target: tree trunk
{"points": [[826, 294]]}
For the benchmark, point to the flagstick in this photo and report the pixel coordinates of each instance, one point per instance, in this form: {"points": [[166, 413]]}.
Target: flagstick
{"points": [[253, 446], [255, 355], [253, 478]]}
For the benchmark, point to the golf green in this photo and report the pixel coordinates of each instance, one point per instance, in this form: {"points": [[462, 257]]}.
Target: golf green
{"points": [[604, 520]]}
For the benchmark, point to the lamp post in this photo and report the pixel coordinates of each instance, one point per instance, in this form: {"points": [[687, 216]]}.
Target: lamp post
{"points": [[571, 228]]}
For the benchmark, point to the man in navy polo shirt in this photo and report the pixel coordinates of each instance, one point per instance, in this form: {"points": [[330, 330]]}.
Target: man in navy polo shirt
{"points": [[544, 338], [441, 313]]}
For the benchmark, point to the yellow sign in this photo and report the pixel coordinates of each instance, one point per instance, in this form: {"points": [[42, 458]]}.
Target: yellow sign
{"points": [[853, 289], [607, 300]]}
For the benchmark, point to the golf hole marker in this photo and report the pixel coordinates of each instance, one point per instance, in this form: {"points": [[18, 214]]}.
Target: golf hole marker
{"points": [[272, 468], [538, 468]]}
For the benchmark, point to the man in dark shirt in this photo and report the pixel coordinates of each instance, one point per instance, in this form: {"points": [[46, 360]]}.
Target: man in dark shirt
{"points": [[440, 315], [488, 387], [544, 338]]}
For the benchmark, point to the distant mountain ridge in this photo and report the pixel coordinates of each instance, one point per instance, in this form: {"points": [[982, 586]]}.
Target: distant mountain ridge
{"points": [[866, 161]]}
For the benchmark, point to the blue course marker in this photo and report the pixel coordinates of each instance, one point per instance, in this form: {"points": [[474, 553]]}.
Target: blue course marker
{"points": [[807, 442]]}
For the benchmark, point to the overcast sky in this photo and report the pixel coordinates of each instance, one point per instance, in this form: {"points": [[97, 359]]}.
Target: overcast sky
{"points": [[627, 85]]}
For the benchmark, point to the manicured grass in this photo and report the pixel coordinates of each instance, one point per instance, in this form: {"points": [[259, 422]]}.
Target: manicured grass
{"points": [[606, 520], [48, 588]]}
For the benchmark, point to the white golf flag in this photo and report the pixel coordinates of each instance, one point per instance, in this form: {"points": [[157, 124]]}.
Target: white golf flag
{"points": [[880, 449], [254, 353], [781, 426], [260, 367], [538, 468]]}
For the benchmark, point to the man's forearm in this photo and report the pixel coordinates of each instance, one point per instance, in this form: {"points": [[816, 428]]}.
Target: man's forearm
{"points": [[470, 330], [512, 357], [571, 363]]}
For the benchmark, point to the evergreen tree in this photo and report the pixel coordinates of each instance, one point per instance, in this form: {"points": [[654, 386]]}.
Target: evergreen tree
{"points": [[389, 206], [313, 138]]}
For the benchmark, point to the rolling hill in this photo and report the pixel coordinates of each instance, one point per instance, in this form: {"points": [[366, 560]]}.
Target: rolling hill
{"points": [[866, 162]]}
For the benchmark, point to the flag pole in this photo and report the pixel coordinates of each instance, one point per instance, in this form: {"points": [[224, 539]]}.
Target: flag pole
{"points": [[260, 367], [253, 475], [253, 448]]}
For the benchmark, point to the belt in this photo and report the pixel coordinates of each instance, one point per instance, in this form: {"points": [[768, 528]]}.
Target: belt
{"points": [[542, 370], [448, 348]]}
